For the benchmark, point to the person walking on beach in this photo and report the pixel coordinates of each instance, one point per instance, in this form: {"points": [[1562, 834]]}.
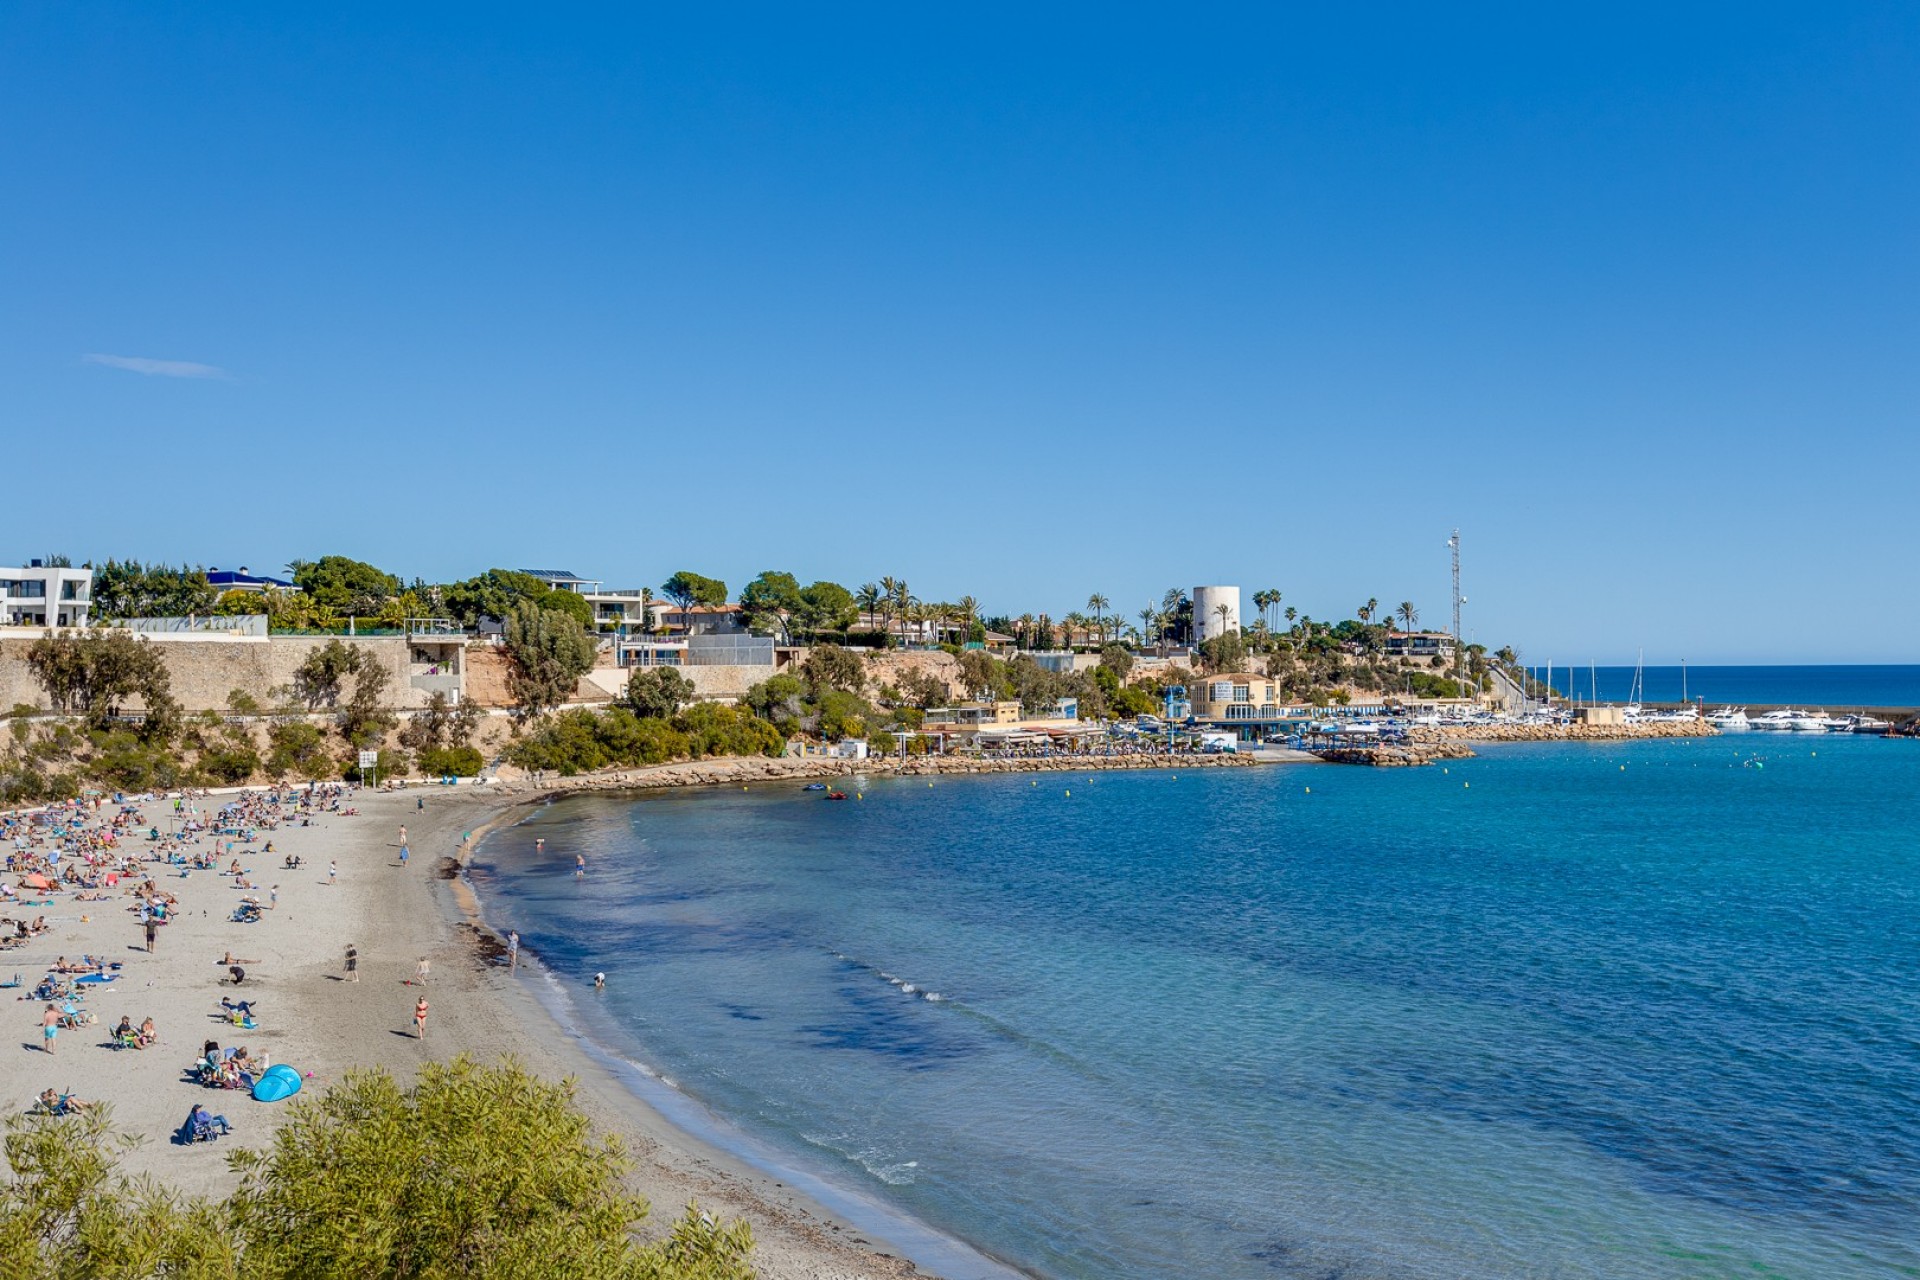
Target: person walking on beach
{"points": [[420, 1017], [333, 872], [403, 857], [353, 963], [403, 835], [513, 950], [153, 928], [49, 1027], [273, 897], [420, 970]]}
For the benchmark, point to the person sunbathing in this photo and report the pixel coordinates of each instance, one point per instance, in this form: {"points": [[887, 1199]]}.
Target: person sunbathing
{"points": [[149, 1034]]}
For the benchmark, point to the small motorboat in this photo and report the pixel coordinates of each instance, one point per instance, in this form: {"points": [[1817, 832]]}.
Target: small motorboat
{"points": [[836, 795], [815, 786]]}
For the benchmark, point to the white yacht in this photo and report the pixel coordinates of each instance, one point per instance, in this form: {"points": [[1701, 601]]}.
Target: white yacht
{"points": [[1869, 724], [1783, 720], [1730, 720]]}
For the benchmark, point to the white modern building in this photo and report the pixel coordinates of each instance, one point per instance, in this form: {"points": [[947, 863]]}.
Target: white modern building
{"points": [[1207, 622], [44, 595], [617, 610]]}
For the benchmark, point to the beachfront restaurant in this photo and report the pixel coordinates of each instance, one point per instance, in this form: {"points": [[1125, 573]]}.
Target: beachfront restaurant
{"points": [[1250, 707]]}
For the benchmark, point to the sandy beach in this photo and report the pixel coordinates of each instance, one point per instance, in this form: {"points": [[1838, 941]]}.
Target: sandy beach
{"points": [[313, 1019]]}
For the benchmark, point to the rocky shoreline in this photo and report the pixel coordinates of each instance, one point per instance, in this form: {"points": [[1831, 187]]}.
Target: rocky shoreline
{"points": [[746, 770], [1399, 755]]}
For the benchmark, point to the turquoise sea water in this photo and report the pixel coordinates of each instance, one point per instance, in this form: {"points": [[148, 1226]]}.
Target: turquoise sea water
{"points": [[1538, 1014]]}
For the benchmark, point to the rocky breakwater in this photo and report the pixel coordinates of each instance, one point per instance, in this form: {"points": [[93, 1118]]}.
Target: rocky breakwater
{"points": [[1396, 755], [1434, 734]]}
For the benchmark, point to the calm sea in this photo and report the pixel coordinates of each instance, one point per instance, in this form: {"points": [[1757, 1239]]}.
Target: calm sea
{"points": [[1610, 1010], [1810, 687]]}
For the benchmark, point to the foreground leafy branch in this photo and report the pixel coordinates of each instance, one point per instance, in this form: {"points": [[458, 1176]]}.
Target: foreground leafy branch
{"points": [[475, 1170]]}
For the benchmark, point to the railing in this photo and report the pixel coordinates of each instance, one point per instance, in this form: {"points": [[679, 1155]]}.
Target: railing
{"points": [[246, 624]]}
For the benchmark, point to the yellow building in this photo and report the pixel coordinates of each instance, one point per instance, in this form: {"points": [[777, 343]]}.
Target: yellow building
{"points": [[1242, 696]]}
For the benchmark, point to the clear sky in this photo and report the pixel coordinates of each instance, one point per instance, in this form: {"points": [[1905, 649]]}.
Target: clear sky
{"points": [[1020, 301]]}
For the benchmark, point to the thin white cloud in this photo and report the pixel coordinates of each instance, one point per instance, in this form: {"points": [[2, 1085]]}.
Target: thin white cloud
{"points": [[156, 368]]}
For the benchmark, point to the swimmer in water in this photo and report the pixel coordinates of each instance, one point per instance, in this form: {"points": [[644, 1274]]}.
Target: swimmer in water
{"points": [[599, 982], [579, 865], [539, 844]]}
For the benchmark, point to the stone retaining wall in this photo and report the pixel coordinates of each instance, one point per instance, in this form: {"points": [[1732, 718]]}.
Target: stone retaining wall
{"points": [[204, 670]]}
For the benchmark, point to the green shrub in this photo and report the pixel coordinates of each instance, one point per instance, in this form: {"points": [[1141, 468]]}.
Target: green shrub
{"points": [[460, 762], [231, 764], [299, 749], [473, 1171], [123, 761], [715, 730]]}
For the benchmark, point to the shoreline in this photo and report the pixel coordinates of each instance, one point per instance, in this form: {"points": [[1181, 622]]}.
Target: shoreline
{"points": [[729, 1158], [311, 1018]]}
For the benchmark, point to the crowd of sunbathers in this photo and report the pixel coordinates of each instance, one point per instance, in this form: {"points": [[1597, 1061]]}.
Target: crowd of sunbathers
{"points": [[93, 849]]}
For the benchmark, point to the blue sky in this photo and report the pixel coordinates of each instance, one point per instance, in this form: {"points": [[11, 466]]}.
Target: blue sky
{"points": [[1017, 301]]}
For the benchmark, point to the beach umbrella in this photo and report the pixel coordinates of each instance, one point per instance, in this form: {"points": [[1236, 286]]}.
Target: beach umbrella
{"points": [[35, 881]]}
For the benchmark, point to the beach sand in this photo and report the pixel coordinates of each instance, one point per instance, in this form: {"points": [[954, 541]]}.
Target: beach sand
{"points": [[312, 1019]]}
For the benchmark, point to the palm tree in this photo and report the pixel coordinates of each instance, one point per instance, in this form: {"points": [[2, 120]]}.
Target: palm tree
{"points": [[1408, 616], [1292, 613], [1273, 599], [1225, 611], [969, 609], [1024, 625], [646, 611], [1149, 623], [1099, 603]]}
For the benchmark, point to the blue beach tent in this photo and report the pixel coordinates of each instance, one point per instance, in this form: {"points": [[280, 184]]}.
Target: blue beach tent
{"points": [[277, 1083]]}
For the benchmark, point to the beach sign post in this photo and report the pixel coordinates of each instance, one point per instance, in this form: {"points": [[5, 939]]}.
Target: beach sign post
{"points": [[370, 761]]}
